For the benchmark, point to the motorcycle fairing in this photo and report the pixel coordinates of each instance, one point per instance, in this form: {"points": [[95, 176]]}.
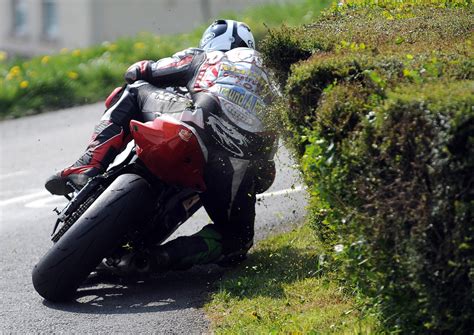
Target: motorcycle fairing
{"points": [[170, 150]]}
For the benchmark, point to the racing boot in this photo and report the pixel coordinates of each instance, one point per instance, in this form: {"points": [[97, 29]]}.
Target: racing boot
{"points": [[106, 143]]}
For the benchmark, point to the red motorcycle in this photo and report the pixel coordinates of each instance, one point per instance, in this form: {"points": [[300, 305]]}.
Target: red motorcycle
{"points": [[138, 203]]}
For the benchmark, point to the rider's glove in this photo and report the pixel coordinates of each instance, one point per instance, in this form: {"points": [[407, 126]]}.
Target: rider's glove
{"points": [[138, 71]]}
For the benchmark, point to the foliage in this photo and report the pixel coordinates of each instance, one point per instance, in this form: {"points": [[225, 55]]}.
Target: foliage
{"points": [[80, 76], [283, 288], [379, 106]]}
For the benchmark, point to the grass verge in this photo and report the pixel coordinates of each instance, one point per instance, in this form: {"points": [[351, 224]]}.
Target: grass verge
{"points": [[284, 287]]}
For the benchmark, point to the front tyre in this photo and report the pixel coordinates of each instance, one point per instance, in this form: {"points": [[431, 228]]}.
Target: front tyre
{"points": [[98, 231]]}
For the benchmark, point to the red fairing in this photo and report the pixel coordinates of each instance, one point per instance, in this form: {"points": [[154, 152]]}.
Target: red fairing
{"points": [[171, 151]]}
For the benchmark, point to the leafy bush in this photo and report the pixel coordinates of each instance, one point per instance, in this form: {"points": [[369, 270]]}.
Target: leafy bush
{"points": [[78, 76], [379, 107], [87, 75]]}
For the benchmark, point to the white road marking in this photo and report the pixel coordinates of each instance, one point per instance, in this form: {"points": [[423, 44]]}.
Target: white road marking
{"points": [[48, 202], [44, 199], [281, 192], [23, 198], [12, 174]]}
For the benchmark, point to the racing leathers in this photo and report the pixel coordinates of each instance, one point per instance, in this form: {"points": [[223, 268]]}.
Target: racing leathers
{"points": [[227, 95]]}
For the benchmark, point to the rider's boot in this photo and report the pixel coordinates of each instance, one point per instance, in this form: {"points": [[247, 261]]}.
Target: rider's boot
{"points": [[106, 143]]}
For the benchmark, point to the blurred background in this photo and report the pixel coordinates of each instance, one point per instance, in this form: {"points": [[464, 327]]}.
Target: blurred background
{"points": [[32, 27], [56, 54]]}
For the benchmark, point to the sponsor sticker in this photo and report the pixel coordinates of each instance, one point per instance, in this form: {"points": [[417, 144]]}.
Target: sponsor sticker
{"points": [[228, 136], [185, 135]]}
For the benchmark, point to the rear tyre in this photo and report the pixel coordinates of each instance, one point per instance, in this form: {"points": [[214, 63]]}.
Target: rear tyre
{"points": [[98, 231]]}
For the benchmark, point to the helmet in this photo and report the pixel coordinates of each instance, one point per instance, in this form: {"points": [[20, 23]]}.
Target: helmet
{"points": [[225, 35]]}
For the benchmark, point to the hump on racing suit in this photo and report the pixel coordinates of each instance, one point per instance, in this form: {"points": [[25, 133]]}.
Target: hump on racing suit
{"points": [[236, 78], [231, 88], [237, 82]]}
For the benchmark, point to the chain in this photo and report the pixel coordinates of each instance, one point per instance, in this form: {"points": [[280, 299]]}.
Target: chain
{"points": [[76, 215]]}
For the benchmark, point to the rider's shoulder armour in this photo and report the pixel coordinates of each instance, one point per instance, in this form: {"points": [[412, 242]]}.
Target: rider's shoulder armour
{"points": [[245, 55], [188, 52]]}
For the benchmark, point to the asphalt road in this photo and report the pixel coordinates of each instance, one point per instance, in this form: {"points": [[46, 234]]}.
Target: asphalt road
{"points": [[33, 148]]}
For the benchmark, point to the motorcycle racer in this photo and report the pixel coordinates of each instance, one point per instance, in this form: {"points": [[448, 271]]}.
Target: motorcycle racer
{"points": [[228, 92]]}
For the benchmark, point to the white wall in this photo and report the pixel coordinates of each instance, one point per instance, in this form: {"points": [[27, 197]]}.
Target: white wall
{"points": [[161, 16], [73, 20], [157, 16], [75, 23], [87, 22]]}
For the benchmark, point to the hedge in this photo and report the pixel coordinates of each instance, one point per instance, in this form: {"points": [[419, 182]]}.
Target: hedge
{"points": [[379, 108]]}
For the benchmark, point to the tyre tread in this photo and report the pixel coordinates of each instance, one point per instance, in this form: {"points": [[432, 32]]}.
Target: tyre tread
{"points": [[56, 277]]}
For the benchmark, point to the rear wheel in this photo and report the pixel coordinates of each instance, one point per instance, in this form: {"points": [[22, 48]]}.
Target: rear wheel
{"points": [[98, 231]]}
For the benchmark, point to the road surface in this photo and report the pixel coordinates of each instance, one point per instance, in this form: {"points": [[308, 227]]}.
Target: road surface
{"points": [[31, 149]]}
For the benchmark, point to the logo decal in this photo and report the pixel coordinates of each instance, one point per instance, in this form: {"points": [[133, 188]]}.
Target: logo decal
{"points": [[227, 135], [188, 203], [185, 135], [207, 38]]}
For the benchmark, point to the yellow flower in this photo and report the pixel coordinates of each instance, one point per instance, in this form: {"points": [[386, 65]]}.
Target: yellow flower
{"points": [[388, 15], [73, 75], [45, 59], [407, 73], [64, 50], [14, 72], [24, 84], [409, 57], [76, 53], [139, 45], [3, 56]]}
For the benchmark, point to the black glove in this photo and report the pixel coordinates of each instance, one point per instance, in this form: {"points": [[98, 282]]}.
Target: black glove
{"points": [[138, 71]]}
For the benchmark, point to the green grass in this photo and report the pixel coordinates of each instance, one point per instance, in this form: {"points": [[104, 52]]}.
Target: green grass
{"points": [[284, 288]]}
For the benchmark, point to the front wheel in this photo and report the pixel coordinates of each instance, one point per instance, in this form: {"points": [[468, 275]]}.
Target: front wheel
{"points": [[98, 231]]}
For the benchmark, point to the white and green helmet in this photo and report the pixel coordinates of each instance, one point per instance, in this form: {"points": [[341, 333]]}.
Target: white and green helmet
{"points": [[225, 35]]}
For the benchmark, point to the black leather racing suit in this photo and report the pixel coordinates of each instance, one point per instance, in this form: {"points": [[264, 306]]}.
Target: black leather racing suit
{"points": [[229, 93]]}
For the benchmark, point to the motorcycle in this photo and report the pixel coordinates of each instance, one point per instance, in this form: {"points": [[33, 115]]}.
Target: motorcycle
{"points": [[137, 203]]}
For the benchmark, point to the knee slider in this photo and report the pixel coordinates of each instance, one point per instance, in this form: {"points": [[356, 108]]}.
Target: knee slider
{"points": [[113, 97]]}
